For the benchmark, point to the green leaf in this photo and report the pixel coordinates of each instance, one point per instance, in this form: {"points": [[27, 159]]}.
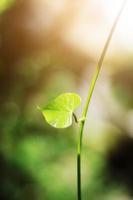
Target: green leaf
{"points": [[58, 112]]}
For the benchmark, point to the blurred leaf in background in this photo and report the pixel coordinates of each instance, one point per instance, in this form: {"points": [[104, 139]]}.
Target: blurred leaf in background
{"points": [[5, 4]]}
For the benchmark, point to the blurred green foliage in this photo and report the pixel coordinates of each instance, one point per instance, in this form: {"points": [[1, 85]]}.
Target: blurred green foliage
{"points": [[5, 4]]}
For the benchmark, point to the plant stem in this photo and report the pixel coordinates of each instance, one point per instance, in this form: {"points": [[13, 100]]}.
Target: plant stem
{"points": [[90, 93]]}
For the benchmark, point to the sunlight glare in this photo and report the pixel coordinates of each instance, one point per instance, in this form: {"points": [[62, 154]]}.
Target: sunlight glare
{"points": [[125, 28]]}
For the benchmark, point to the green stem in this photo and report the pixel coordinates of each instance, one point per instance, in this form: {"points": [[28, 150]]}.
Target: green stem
{"points": [[90, 93]]}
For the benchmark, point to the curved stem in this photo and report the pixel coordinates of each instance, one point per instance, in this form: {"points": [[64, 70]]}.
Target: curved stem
{"points": [[90, 92]]}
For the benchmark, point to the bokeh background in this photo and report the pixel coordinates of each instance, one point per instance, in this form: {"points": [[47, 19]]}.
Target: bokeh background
{"points": [[52, 46]]}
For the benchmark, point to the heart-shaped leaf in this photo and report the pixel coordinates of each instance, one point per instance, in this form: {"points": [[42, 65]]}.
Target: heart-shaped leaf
{"points": [[59, 111]]}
